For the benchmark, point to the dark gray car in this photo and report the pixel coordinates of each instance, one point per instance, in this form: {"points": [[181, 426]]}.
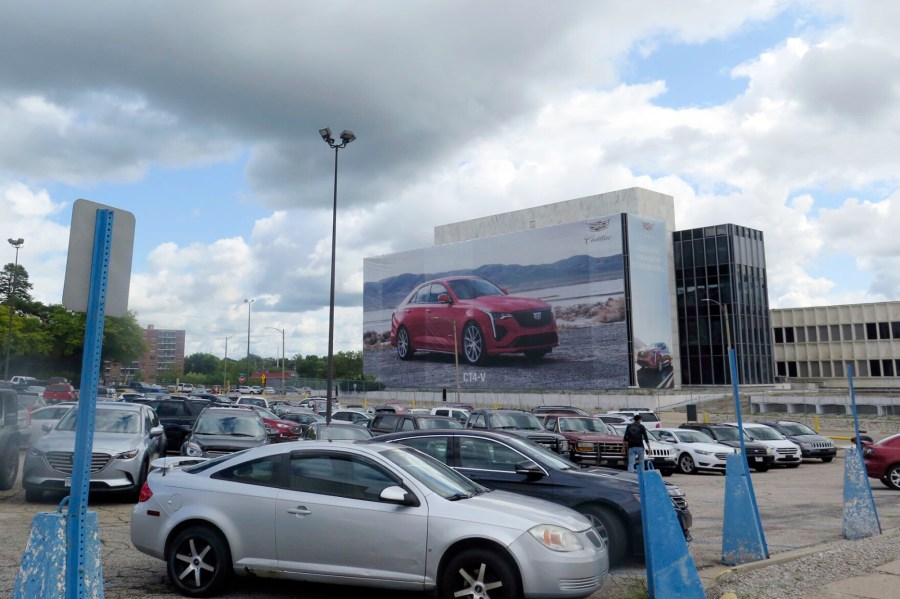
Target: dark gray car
{"points": [[812, 444]]}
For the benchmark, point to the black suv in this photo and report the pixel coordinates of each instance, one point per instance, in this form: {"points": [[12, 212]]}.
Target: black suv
{"points": [[609, 498], [517, 422], [177, 415], [811, 443], [389, 423], [759, 456], [9, 438]]}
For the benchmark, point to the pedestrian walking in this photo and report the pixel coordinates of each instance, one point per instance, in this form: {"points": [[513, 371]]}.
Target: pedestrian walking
{"points": [[635, 439]]}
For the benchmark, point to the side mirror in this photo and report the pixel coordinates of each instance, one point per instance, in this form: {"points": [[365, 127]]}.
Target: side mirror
{"points": [[157, 431], [529, 469], [443, 298], [46, 427], [399, 496]]}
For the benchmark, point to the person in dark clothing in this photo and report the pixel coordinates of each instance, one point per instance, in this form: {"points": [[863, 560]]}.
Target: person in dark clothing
{"points": [[635, 439]]}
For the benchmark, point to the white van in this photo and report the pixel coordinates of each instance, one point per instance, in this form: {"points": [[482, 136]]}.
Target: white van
{"points": [[787, 453], [648, 418]]}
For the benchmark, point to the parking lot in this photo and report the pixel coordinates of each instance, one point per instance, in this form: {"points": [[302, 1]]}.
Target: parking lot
{"points": [[799, 507]]}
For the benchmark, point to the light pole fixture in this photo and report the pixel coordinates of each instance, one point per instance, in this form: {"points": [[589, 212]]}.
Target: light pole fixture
{"points": [[225, 364], [249, 303], [346, 138], [282, 356], [16, 243]]}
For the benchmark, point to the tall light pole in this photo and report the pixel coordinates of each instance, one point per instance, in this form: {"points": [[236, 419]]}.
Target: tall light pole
{"points": [[282, 356], [346, 138], [16, 243], [225, 364], [249, 303], [455, 351]]}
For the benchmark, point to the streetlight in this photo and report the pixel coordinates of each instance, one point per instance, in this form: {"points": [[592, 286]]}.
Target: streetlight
{"points": [[346, 138], [282, 356], [16, 243], [732, 363], [249, 303], [225, 364]]}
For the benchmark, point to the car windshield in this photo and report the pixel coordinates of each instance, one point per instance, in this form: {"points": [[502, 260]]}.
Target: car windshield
{"points": [[434, 475], [516, 420], [797, 428], [265, 413], [686, 436], [729, 433], [587, 425], [466, 289], [105, 421], [343, 432], [548, 458], [763, 433], [238, 425], [437, 423]]}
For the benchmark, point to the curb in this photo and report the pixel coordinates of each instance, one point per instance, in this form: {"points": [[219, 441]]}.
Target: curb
{"points": [[713, 574]]}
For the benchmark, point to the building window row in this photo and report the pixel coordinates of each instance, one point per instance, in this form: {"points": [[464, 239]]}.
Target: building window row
{"points": [[836, 369], [823, 333]]}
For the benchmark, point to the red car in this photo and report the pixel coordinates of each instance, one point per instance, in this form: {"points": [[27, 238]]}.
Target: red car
{"points": [[590, 439], [474, 318], [656, 355], [58, 392], [287, 430], [883, 461]]}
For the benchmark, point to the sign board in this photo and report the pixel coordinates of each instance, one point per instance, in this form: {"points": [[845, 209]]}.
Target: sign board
{"points": [[241, 379], [81, 247], [263, 377]]}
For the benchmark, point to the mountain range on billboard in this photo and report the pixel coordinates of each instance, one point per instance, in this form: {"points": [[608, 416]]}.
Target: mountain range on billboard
{"points": [[515, 278]]}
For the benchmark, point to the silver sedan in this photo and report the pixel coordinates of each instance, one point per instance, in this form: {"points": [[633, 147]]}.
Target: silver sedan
{"points": [[372, 515], [127, 437]]}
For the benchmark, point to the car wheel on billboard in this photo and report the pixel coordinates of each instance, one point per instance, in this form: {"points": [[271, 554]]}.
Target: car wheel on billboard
{"points": [[404, 347], [473, 344]]}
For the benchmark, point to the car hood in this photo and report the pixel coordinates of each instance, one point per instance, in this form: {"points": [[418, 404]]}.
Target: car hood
{"points": [[57, 440], [532, 435], [592, 437], [529, 511], [505, 303], [713, 447], [229, 441]]}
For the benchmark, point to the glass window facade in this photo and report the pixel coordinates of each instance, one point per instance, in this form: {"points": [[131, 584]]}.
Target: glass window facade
{"points": [[725, 263]]}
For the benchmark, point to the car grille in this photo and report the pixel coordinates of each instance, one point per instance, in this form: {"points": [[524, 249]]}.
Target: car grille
{"points": [[541, 339], [756, 451], [662, 453], [63, 461], [721, 456], [820, 445], [679, 502], [533, 319], [215, 453], [786, 451], [610, 448], [578, 584]]}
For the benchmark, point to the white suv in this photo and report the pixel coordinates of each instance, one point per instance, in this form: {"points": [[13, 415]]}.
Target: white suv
{"points": [[696, 450], [648, 418], [786, 452]]}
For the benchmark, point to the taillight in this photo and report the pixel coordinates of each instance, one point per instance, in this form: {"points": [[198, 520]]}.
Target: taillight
{"points": [[146, 493]]}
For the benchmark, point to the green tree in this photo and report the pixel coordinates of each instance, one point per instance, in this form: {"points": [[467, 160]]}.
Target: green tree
{"points": [[29, 337], [15, 279], [202, 363]]}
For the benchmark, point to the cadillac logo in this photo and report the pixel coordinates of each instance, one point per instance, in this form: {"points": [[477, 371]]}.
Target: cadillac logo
{"points": [[648, 226], [598, 225], [537, 315]]}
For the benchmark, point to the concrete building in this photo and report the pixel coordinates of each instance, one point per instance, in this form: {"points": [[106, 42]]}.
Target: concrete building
{"points": [[165, 353]]}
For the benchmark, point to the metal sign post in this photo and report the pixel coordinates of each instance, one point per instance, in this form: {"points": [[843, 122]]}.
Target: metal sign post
{"points": [[87, 403]]}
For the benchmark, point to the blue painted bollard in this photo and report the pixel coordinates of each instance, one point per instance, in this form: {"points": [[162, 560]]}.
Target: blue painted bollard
{"points": [[743, 539], [860, 515], [42, 573], [671, 572]]}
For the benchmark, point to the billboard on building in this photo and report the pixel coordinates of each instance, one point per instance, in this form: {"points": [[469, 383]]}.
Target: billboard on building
{"points": [[537, 309], [651, 311]]}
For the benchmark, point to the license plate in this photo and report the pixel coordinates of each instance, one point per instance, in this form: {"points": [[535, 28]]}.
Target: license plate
{"points": [[757, 459], [68, 482]]}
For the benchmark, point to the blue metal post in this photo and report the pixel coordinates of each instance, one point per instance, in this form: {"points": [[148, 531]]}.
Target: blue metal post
{"points": [[743, 538], [860, 514], [87, 403]]}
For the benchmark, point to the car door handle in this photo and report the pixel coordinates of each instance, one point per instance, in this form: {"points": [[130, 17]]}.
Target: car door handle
{"points": [[300, 510]]}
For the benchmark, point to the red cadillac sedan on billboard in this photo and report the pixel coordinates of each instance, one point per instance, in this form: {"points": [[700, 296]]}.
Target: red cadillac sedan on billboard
{"points": [[474, 318]]}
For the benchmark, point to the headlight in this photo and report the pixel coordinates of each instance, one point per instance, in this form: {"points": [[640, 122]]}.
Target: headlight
{"points": [[127, 455], [556, 538], [770, 450], [193, 450], [866, 451], [736, 449], [584, 446], [703, 452], [501, 315]]}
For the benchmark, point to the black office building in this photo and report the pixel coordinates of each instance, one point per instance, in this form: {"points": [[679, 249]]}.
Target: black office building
{"points": [[725, 264]]}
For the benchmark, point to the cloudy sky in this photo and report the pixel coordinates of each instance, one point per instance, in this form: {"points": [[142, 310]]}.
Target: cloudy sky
{"points": [[202, 119]]}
